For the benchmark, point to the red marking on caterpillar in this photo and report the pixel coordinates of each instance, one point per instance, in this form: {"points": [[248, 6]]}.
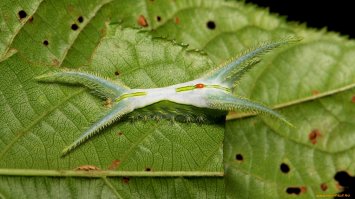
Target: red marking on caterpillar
{"points": [[199, 85], [142, 21]]}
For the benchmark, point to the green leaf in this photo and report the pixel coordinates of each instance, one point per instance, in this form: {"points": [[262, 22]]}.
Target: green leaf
{"points": [[312, 83]]}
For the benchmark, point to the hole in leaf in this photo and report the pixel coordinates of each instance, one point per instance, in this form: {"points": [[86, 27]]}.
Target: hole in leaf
{"points": [[293, 190], [45, 42], [211, 25], [284, 168], [177, 20], [117, 73], [147, 169], [74, 27], [125, 179], [239, 157], [158, 18], [314, 135], [324, 186], [80, 19], [142, 21], [346, 181], [22, 14]]}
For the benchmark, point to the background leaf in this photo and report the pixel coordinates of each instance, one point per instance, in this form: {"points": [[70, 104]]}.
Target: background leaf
{"points": [[311, 83]]}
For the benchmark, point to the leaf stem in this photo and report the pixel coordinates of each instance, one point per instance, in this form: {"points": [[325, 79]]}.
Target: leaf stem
{"points": [[107, 173]]}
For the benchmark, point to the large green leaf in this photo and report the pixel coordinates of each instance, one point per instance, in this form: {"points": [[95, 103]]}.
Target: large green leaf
{"points": [[311, 83]]}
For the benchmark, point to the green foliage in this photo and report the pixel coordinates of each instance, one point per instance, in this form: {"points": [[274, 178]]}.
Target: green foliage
{"points": [[311, 83]]}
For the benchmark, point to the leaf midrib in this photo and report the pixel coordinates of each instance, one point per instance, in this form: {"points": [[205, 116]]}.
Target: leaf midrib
{"points": [[233, 116]]}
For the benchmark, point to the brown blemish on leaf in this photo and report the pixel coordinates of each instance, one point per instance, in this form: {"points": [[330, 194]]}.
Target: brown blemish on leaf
{"points": [[120, 133], [177, 20], [108, 103], [303, 189], [30, 19], [314, 135], [324, 186], [87, 168], [353, 99], [114, 165], [315, 92], [117, 73], [142, 21], [55, 62], [125, 180]]}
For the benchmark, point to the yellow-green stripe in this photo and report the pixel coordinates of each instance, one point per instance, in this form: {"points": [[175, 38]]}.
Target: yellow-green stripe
{"points": [[189, 88], [124, 96]]}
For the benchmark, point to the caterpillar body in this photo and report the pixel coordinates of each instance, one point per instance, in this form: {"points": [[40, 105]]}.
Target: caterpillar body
{"points": [[207, 98]]}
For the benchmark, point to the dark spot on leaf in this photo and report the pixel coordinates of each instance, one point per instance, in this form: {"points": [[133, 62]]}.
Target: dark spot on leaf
{"points": [[142, 21], [239, 157], [125, 179], [120, 133], [158, 18], [177, 20], [315, 92], [324, 186], [353, 99], [211, 25], [22, 14], [30, 19], [293, 190], [117, 73], [45, 42], [114, 165], [80, 19], [74, 27], [147, 169], [346, 181], [284, 168], [314, 135]]}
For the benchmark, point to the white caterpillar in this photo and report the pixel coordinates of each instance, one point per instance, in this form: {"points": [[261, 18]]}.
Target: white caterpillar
{"points": [[212, 91]]}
